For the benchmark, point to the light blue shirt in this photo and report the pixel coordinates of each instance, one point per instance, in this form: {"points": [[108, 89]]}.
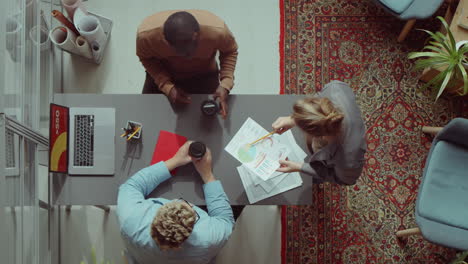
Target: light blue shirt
{"points": [[136, 213]]}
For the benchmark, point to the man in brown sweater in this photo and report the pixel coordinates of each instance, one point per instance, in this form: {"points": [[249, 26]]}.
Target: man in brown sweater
{"points": [[178, 48]]}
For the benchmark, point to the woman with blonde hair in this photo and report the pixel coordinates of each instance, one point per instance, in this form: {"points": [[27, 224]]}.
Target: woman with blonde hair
{"points": [[335, 135]]}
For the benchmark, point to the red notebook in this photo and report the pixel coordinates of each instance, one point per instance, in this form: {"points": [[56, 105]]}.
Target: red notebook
{"points": [[167, 146]]}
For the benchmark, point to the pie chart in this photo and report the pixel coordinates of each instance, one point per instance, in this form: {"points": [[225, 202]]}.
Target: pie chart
{"points": [[247, 153]]}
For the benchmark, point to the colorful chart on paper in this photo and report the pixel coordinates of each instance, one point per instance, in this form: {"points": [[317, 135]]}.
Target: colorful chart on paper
{"points": [[262, 157]]}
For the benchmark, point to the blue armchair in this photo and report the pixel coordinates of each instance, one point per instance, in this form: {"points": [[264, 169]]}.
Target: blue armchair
{"points": [[442, 203], [410, 10]]}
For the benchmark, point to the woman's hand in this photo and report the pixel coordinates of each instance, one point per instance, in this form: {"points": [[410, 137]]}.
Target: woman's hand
{"points": [[290, 166], [283, 124]]}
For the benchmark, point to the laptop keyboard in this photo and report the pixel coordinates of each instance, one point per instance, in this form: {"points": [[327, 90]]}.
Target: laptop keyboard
{"points": [[10, 149], [84, 141]]}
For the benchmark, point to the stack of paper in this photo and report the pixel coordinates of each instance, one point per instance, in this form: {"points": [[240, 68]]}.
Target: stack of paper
{"points": [[259, 162]]}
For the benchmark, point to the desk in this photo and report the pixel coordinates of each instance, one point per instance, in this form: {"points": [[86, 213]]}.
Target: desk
{"points": [[155, 113]]}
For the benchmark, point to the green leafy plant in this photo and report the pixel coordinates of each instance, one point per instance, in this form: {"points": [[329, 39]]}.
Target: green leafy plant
{"points": [[462, 258], [441, 52], [94, 260]]}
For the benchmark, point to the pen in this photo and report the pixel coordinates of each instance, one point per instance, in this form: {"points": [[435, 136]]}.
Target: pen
{"points": [[267, 135]]}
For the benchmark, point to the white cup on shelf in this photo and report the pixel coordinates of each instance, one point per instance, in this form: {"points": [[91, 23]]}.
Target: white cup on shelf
{"points": [[64, 38], [71, 6], [84, 47], [91, 29], [44, 41], [13, 37]]}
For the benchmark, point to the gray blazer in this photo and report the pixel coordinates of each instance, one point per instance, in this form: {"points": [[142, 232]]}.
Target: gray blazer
{"points": [[341, 161]]}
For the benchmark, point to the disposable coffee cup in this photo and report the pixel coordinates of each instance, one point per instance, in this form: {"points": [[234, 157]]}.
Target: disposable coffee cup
{"points": [[209, 107], [197, 150]]}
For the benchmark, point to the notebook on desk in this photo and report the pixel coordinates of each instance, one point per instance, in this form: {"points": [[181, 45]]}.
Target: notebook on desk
{"points": [[167, 146], [82, 140]]}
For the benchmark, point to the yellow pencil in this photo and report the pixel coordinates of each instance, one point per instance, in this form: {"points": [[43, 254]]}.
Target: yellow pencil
{"points": [[267, 135], [124, 134], [124, 258], [136, 131]]}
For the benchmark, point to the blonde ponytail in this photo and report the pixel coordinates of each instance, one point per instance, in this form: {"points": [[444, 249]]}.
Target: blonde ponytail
{"points": [[317, 116]]}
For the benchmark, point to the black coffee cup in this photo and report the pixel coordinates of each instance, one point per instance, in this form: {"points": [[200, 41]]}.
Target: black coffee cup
{"points": [[209, 107], [197, 150]]}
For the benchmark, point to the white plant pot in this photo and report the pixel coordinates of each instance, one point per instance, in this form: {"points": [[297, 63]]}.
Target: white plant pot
{"points": [[458, 45]]}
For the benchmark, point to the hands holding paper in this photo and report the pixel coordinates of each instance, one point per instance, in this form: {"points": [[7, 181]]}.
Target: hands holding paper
{"points": [[281, 125], [203, 166], [289, 166]]}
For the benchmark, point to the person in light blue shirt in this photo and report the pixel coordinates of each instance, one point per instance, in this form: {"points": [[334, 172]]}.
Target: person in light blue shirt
{"points": [[157, 230]]}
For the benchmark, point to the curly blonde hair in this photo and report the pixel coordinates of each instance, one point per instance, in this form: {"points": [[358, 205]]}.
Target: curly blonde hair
{"points": [[317, 117], [173, 224]]}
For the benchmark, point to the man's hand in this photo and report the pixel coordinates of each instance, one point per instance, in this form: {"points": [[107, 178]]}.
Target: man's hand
{"points": [[283, 124], [289, 166], [204, 167], [180, 158], [222, 93], [176, 95]]}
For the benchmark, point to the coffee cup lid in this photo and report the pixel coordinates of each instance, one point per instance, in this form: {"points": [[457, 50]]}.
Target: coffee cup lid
{"points": [[209, 107], [197, 149]]}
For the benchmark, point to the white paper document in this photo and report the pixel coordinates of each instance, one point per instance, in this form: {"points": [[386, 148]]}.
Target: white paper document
{"points": [[270, 184], [261, 158], [258, 193], [277, 177], [259, 164], [297, 154]]}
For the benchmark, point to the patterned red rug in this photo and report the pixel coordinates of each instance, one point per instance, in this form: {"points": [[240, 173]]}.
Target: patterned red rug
{"points": [[355, 41]]}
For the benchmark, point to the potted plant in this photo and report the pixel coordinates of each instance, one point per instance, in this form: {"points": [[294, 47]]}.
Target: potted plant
{"points": [[442, 53], [462, 258], [94, 259]]}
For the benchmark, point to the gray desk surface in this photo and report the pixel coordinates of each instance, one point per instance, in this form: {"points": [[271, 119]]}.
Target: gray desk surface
{"points": [[155, 113]]}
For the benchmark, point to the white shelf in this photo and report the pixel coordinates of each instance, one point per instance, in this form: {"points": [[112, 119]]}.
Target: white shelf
{"points": [[107, 26]]}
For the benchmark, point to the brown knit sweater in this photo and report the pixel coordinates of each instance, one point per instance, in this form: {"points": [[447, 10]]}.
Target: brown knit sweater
{"points": [[163, 64]]}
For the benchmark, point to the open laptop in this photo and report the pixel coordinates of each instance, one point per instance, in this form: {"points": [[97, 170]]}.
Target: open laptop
{"points": [[91, 140], [12, 146]]}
